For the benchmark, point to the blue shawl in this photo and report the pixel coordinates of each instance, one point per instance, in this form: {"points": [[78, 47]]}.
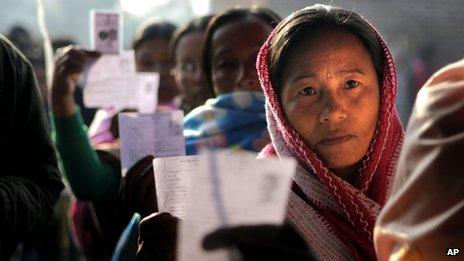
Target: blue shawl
{"points": [[234, 120]]}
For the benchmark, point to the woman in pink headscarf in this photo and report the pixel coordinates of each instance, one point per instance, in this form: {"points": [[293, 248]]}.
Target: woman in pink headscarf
{"points": [[330, 87]]}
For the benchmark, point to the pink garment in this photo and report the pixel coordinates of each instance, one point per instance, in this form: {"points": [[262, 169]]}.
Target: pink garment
{"points": [[99, 130], [334, 217]]}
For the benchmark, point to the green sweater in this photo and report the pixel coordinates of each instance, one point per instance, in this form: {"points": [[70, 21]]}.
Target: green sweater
{"points": [[89, 177]]}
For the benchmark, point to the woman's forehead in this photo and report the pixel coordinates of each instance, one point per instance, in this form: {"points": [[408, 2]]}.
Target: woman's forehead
{"points": [[238, 34]]}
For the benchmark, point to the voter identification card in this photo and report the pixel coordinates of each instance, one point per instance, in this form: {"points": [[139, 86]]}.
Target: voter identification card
{"points": [[105, 31]]}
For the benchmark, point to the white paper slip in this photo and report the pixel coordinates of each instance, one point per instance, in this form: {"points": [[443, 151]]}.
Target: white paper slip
{"points": [[105, 31], [113, 82], [159, 134], [230, 190], [173, 180], [109, 66]]}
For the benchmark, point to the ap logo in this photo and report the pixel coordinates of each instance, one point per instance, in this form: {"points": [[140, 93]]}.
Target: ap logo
{"points": [[452, 252]]}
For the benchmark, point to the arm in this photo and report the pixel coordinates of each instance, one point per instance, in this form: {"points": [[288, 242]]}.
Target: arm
{"points": [[88, 176]]}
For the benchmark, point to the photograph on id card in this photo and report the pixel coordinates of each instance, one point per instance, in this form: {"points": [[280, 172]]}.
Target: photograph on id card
{"points": [[105, 31]]}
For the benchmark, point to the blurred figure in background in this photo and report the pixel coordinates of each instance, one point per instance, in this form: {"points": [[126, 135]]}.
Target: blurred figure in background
{"points": [[95, 175], [186, 49], [233, 119], [151, 46], [33, 51]]}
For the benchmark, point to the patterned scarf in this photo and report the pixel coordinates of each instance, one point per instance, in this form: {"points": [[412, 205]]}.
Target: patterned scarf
{"points": [[336, 218], [235, 120]]}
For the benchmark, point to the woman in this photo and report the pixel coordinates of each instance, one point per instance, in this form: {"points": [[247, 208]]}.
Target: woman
{"points": [[96, 175], [235, 118], [330, 84], [330, 87], [186, 50]]}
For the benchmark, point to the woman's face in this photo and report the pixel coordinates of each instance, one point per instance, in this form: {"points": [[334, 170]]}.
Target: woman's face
{"points": [[235, 47], [330, 95], [153, 56], [188, 73]]}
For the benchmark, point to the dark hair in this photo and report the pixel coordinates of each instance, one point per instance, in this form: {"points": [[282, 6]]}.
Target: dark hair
{"points": [[198, 24], [229, 16], [152, 29], [298, 26]]}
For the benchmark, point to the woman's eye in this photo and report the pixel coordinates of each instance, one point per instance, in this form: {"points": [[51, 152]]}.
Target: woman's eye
{"points": [[307, 91], [351, 84]]}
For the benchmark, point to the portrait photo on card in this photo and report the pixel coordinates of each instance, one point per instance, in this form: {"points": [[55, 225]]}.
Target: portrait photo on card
{"points": [[105, 31]]}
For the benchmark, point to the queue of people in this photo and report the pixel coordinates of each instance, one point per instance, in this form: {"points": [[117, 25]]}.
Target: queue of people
{"points": [[318, 86]]}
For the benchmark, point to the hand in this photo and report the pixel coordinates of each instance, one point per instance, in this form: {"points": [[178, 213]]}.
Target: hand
{"points": [[261, 242], [138, 188], [157, 237], [69, 65]]}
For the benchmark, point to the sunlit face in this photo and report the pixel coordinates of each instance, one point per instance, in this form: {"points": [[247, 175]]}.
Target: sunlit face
{"points": [[188, 73], [330, 95], [235, 47], [153, 56]]}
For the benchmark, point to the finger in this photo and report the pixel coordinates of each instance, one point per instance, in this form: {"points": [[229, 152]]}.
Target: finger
{"points": [[160, 242], [70, 66], [72, 53], [92, 54], [156, 219], [70, 59], [159, 230], [219, 239], [241, 235]]}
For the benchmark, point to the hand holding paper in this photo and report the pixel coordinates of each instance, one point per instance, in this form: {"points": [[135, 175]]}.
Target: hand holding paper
{"points": [[232, 190], [70, 64]]}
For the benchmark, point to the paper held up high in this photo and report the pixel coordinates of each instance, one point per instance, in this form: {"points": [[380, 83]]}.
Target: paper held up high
{"points": [[113, 82], [159, 134], [105, 31], [225, 190]]}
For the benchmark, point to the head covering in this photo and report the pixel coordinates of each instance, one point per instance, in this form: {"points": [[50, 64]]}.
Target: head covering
{"points": [[336, 218], [424, 217]]}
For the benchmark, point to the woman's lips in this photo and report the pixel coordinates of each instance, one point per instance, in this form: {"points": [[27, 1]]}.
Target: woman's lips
{"points": [[336, 140]]}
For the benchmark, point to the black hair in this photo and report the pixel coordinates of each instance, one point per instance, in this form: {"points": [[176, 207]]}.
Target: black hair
{"points": [[198, 24], [229, 16], [152, 29], [298, 26]]}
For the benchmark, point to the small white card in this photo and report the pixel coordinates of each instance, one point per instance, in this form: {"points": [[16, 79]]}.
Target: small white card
{"points": [[105, 31], [113, 82], [159, 134], [173, 180], [232, 189]]}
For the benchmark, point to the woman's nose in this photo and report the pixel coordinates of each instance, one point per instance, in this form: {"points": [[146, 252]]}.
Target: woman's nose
{"points": [[247, 79], [333, 110]]}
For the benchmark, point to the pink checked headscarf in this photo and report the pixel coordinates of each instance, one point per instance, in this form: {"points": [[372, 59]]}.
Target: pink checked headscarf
{"points": [[336, 218]]}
